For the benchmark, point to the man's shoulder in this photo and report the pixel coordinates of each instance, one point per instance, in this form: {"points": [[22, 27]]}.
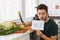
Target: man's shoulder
{"points": [[52, 23]]}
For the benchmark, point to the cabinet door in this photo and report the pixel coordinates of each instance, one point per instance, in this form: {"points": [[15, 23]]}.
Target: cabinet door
{"points": [[23, 37]]}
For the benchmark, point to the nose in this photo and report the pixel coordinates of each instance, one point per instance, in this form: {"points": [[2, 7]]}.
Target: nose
{"points": [[41, 16]]}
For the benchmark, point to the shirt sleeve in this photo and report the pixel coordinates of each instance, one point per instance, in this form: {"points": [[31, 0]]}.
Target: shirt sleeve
{"points": [[53, 29]]}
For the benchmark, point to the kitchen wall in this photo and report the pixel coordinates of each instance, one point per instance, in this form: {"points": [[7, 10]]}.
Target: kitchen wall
{"points": [[9, 9], [53, 6]]}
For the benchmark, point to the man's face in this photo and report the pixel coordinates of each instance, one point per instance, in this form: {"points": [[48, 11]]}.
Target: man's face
{"points": [[42, 14]]}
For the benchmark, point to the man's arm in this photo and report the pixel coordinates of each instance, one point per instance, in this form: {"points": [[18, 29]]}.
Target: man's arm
{"points": [[39, 33], [47, 38]]}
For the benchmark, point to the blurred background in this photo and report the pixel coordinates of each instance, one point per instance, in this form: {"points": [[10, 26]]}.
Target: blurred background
{"points": [[9, 10]]}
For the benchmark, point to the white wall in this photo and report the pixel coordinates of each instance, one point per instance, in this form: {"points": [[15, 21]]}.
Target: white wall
{"points": [[51, 6], [30, 9]]}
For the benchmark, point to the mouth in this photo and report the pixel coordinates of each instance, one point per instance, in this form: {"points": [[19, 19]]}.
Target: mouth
{"points": [[41, 18]]}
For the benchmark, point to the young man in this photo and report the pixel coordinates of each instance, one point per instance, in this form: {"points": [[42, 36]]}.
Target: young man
{"points": [[50, 27]]}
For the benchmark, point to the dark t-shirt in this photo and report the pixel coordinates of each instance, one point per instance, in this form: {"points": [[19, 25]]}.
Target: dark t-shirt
{"points": [[50, 28]]}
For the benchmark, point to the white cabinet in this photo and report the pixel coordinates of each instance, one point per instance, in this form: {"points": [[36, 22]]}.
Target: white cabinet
{"points": [[53, 6], [25, 37], [20, 36]]}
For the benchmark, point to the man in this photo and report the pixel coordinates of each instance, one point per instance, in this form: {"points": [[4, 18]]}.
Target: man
{"points": [[50, 27]]}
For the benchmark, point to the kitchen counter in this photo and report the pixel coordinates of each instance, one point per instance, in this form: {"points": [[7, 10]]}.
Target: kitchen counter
{"points": [[19, 36]]}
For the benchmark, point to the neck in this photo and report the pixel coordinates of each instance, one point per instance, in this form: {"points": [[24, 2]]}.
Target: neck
{"points": [[47, 19]]}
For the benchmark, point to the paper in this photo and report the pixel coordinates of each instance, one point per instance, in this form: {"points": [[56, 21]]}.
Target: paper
{"points": [[37, 25]]}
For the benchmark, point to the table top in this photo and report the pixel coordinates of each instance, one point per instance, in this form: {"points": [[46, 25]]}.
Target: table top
{"points": [[12, 36]]}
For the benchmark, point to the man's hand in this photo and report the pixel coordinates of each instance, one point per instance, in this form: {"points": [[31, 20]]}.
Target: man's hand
{"points": [[38, 32]]}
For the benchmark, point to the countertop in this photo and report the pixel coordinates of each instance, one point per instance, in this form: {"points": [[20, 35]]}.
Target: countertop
{"points": [[14, 36]]}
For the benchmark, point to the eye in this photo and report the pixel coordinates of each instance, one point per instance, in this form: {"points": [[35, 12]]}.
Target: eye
{"points": [[43, 13], [39, 13]]}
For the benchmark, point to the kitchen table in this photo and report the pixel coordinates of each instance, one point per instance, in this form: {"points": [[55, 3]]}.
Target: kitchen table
{"points": [[19, 36]]}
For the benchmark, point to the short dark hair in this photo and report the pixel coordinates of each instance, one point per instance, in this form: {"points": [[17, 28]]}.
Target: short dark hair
{"points": [[42, 6]]}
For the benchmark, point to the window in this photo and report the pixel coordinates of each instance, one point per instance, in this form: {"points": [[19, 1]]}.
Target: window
{"points": [[9, 9]]}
